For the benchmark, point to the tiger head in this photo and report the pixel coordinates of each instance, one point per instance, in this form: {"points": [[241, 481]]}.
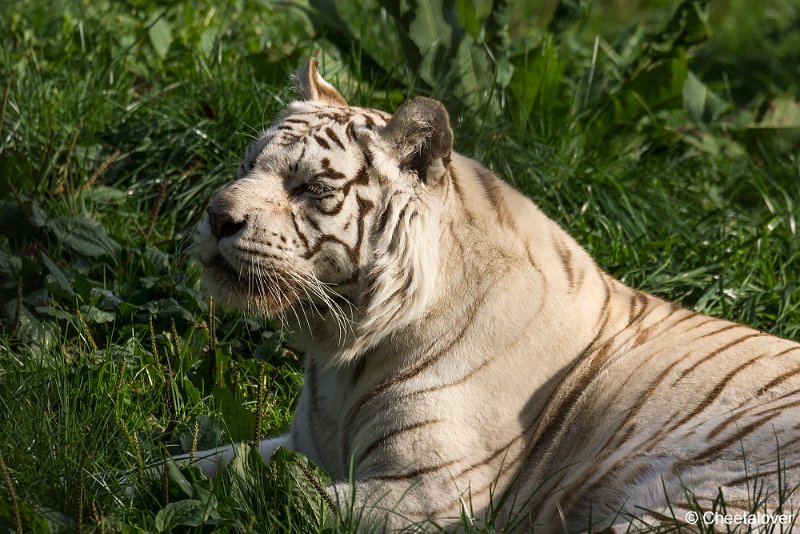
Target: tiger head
{"points": [[331, 224]]}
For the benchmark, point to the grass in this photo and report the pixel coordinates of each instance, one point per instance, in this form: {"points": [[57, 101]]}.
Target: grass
{"points": [[119, 120]]}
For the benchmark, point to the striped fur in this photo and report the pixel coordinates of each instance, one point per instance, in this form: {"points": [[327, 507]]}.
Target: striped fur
{"points": [[461, 347]]}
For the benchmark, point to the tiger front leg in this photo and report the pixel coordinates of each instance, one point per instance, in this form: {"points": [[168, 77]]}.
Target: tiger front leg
{"points": [[212, 460]]}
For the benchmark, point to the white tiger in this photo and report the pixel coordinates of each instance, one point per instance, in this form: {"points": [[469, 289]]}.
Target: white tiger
{"points": [[467, 355]]}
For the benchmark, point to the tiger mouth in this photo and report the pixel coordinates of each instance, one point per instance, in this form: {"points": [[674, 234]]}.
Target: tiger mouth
{"points": [[220, 264], [237, 280], [240, 279], [236, 287]]}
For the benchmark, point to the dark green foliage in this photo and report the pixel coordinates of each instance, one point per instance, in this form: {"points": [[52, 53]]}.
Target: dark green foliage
{"points": [[663, 135]]}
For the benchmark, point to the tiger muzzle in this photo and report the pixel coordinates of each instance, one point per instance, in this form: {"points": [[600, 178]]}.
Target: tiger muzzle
{"points": [[223, 223]]}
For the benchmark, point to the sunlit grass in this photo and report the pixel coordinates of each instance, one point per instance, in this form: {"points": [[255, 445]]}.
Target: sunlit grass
{"points": [[99, 122]]}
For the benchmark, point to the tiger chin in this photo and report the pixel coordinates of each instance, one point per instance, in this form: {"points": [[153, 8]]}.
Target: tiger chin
{"points": [[466, 357]]}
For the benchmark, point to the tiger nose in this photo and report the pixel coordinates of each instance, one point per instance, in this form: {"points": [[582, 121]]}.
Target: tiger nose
{"points": [[223, 223]]}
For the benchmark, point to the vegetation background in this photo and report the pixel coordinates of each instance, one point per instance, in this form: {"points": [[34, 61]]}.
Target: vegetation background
{"points": [[663, 135]]}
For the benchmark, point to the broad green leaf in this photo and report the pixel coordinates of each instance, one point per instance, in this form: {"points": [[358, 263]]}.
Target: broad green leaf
{"points": [[208, 428], [430, 33], [272, 345], [170, 309], [223, 362], [527, 79], [469, 17], [440, 50], [84, 236], [538, 81], [779, 128], [94, 315], [716, 145], [499, 15], [176, 476], [207, 41], [308, 479], [38, 217], [687, 27], [567, 14], [10, 267], [194, 395], [38, 297], [658, 87], [158, 259], [657, 76], [58, 277], [700, 104], [240, 422], [473, 15], [106, 299], [31, 329], [469, 62], [189, 512], [161, 36], [782, 113]]}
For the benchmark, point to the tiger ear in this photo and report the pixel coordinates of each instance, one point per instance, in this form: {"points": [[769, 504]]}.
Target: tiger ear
{"points": [[420, 137], [311, 86]]}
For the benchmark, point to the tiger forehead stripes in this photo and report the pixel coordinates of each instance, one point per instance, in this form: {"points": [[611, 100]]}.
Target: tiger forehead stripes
{"points": [[467, 357], [309, 133]]}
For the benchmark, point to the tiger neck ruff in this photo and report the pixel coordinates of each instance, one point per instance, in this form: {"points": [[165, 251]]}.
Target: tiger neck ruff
{"points": [[461, 348]]}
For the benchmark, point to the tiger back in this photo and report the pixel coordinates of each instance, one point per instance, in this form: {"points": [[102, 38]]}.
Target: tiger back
{"points": [[466, 358]]}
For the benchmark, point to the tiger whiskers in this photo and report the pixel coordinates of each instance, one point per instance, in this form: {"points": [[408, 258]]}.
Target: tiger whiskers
{"points": [[312, 289], [309, 282], [271, 286], [303, 308], [297, 317]]}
